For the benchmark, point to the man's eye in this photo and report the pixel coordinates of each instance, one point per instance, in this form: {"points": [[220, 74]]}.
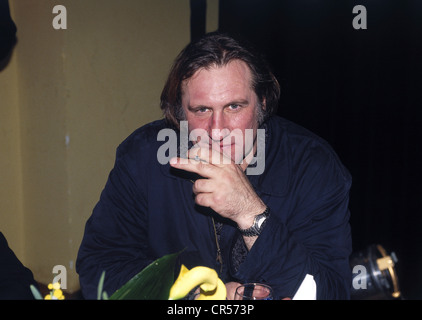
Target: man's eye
{"points": [[234, 106], [199, 109]]}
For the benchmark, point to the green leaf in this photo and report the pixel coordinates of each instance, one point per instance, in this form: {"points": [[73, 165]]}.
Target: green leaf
{"points": [[152, 283], [100, 286], [105, 296]]}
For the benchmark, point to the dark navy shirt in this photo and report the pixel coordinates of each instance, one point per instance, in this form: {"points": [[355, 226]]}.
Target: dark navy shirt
{"points": [[147, 210]]}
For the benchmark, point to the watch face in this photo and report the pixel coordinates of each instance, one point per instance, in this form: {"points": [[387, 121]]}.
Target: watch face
{"points": [[255, 230], [260, 220]]}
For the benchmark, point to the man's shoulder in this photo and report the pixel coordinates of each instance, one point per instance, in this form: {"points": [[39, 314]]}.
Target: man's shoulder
{"points": [[303, 146], [283, 127], [296, 138], [144, 137], [148, 131]]}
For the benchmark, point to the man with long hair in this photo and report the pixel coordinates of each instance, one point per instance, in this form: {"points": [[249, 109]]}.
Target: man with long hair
{"points": [[249, 194]]}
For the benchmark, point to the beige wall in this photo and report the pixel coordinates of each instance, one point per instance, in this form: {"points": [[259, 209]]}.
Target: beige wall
{"points": [[10, 160], [67, 99]]}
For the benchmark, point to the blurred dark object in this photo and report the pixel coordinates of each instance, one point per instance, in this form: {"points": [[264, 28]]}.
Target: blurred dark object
{"points": [[375, 277], [15, 278], [7, 33]]}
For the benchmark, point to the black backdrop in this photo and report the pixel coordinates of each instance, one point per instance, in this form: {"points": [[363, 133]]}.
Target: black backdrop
{"points": [[361, 90]]}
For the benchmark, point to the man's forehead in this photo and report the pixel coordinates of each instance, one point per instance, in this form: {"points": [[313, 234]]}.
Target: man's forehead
{"points": [[235, 67], [235, 74]]}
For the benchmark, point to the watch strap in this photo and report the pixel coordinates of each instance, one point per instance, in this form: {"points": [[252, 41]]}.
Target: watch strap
{"points": [[255, 230]]}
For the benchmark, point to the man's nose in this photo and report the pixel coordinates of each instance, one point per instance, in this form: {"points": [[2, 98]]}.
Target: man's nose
{"points": [[218, 127]]}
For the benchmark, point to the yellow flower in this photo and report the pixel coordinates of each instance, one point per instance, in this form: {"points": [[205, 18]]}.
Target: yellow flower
{"points": [[56, 293], [211, 286]]}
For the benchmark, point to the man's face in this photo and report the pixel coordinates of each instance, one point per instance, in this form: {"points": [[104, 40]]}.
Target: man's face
{"points": [[221, 102]]}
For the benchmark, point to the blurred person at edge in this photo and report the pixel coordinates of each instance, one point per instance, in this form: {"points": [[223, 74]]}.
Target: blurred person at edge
{"points": [[274, 227], [15, 278]]}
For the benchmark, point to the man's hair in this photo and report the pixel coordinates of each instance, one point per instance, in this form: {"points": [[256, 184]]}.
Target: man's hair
{"points": [[217, 49]]}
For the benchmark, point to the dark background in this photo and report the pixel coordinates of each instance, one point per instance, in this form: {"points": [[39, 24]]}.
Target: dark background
{"points": [[361, 90]]}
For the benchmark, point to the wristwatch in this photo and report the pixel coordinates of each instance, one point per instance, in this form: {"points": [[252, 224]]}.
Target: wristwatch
{"points": [[257, 226]]}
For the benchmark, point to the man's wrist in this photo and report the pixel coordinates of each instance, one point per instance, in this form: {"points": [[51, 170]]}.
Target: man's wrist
{"points": [[257, 225], [248, 220]]}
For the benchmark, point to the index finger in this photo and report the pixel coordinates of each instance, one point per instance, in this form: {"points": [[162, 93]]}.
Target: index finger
{"points": [[200, 167], [209, 154]]}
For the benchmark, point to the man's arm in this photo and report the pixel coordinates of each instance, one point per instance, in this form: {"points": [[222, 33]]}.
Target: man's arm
{"points": [[115, 239], [315, 239], [308, 232]]}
